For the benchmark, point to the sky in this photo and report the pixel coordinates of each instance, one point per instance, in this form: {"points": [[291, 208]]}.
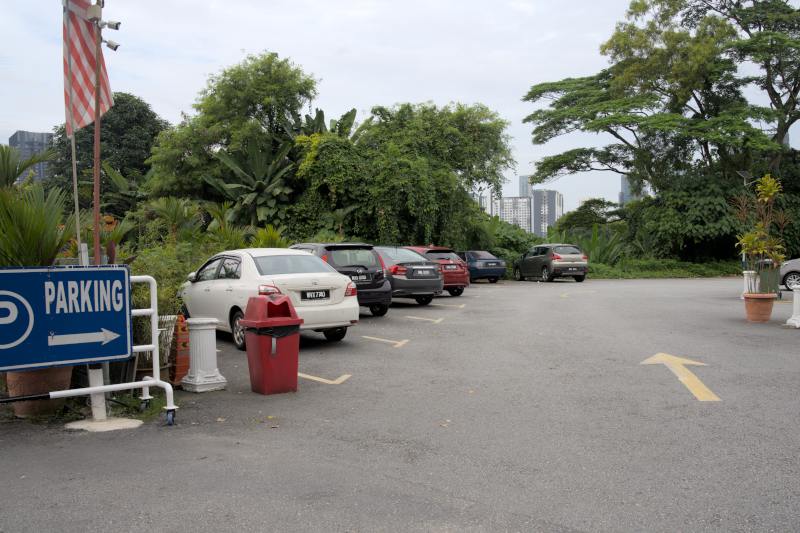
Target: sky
{"points": [[363, 53]]}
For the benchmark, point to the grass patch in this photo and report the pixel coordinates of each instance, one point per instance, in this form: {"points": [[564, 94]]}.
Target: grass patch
{"points": [[663, 268]]}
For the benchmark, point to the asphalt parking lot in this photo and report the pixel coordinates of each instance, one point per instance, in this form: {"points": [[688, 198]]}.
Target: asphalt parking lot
{"points": [[517, 406]]}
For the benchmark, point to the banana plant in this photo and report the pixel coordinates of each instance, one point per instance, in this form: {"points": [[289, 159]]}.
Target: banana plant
{"points": [[261, 186]]}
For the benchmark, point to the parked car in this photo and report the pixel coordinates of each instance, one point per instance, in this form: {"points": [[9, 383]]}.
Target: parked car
{"points": [[325, 299], [483, 265], [549, 261], [361, 264], [790, 274], [411, 274], [454, 270]]}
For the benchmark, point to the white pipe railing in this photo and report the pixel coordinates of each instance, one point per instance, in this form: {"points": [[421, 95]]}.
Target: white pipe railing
{"points": [[148, 381]]}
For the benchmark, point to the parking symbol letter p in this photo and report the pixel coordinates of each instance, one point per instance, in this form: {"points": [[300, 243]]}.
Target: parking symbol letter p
{"points": [[11, 317]]}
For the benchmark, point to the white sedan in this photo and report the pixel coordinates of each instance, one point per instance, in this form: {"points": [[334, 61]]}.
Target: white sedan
{"points": [[323, 298]]}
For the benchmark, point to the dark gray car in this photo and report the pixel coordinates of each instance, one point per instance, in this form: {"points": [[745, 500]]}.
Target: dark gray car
{"points": [[360, 263], [549, 261], [411, 274]]}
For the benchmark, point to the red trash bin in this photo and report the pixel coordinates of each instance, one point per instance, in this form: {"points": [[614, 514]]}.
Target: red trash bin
{"points": [[272, 338]]}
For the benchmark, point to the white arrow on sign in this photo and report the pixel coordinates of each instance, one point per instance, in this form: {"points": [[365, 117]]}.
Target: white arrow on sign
{"points": [[103, 336]]}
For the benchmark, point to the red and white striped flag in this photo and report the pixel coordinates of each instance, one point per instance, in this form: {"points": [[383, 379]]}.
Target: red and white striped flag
{"points": [[79, 67]]}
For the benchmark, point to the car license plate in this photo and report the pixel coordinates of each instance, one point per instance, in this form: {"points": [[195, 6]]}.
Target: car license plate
{"points": [[492, 264], [361, 277], [450, 267], [315, 295], [572, 269], [424, 272]]}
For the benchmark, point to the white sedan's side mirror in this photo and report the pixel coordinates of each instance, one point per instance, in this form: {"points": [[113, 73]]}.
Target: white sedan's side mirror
{"points": [[192, 277]]}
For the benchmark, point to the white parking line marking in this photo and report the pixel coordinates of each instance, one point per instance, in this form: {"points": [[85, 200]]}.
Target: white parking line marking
{"points": [[457, 306], [338, 381], [434, 320], [397, 344]]}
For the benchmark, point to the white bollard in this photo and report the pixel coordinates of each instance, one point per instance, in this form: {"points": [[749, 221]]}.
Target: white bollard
{"points": [[794, 321], [98, 398], [203, 373], [747, 275]]}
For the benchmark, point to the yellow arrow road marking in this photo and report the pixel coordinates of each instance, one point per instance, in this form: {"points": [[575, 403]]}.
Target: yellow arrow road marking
{"points": [[338, 381], [397, 344], [678, 367], [434, 320], [457, 306]]}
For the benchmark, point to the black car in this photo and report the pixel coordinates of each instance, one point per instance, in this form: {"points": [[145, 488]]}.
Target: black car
{"points": [[363, 265]]}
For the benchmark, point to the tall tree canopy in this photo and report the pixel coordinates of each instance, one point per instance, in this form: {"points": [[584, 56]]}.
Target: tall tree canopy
{"points": [[251, 101], [408, 169], [679, 111], [671, 102], [127, 133]]}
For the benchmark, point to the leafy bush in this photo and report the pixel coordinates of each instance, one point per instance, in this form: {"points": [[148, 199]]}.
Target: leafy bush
{"points": [[32, 226], [663, 268]]}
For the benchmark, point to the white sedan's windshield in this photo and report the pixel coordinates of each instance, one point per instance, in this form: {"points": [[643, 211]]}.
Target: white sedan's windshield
{"points": [[270, 265]]}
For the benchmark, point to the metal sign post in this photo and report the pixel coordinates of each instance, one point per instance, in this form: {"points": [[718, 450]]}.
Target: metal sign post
{"points": [[75, 315]]}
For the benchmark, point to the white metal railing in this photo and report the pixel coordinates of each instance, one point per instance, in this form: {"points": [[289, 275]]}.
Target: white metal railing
{"points": [[153, 347]]}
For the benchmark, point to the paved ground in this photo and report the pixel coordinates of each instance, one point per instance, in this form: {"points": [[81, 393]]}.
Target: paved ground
{"points": [[525, 408]]}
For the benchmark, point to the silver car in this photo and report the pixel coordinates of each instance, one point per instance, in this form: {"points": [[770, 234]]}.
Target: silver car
{"points": [[790, 274], [549, 261]]}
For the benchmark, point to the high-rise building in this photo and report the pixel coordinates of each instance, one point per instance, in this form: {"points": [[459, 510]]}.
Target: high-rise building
{"points": [[30, 143], [514, 210], [547, 208], [525, 187], [484, 201]]}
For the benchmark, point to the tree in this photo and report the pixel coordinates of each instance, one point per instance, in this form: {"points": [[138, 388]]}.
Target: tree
{"points": [[127, 133], [767, 34], [247, 103], [408, 171], [590, 213], [13, 167], [258, 184]]}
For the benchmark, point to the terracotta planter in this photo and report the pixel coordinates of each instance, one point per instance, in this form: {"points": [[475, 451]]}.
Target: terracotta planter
{"points": [[38, 382], [758, 307]]}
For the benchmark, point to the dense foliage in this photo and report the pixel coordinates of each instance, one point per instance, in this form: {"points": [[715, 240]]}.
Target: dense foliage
{"points": [[676, 107], [127, 133]]}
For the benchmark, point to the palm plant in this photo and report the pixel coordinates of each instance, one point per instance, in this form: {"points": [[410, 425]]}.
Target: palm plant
{"points": [[261, 184], [269, 237], [32, 225], [12, 166], [178, 214], [221, 214]]}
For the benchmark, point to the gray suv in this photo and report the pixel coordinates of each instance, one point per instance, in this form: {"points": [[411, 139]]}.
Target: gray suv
{"points": [[549, 261]]}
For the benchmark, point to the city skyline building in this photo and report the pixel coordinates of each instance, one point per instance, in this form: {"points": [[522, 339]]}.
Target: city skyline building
{"points": [[547, 206], [515, 210], [525, 187], [30, 143]]}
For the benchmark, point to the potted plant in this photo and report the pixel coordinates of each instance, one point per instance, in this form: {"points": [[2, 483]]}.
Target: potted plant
{"points": [[762, 247], [34, 232]]}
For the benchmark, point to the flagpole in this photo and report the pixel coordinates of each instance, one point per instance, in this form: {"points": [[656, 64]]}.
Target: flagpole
{"points": [[97, 58], [72, 131]]}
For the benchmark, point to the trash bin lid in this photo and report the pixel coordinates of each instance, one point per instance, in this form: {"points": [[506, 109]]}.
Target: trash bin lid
{"points": [[270, 311]]}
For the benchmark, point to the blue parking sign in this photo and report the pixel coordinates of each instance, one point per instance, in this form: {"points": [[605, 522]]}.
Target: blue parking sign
{"points": [[64, 316]]}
